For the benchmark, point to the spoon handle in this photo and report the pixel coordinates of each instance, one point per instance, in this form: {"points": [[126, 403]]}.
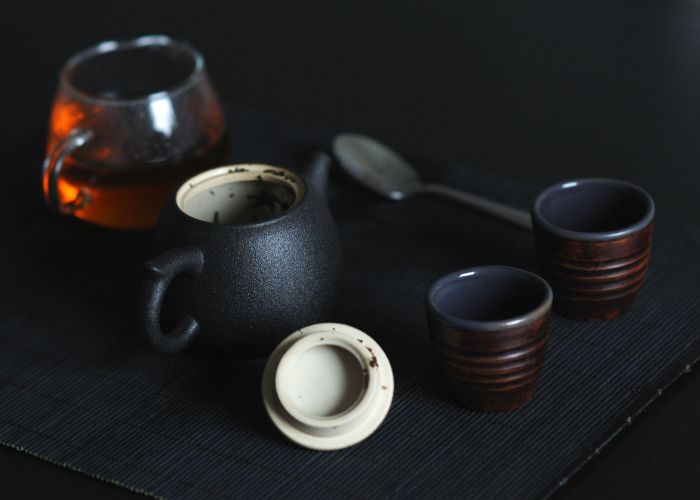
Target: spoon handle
{"points": [[506, 213]]}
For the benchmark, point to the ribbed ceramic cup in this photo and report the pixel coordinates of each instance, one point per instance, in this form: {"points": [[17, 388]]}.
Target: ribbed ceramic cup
{"points": [[593, 241], [489, 327]]}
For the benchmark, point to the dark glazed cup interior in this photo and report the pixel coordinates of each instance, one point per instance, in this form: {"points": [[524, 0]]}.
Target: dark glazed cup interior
{"points": [[488, 327], [594, 209], [593, 244], [489, 297]]}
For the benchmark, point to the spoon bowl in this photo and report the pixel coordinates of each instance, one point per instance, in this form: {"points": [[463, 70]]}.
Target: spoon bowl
{"points": [[389, 174], [382, 170]]}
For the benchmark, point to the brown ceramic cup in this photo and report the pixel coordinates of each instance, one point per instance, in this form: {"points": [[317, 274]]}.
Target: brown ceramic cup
{"points": [[488, 326], [593, 241]]}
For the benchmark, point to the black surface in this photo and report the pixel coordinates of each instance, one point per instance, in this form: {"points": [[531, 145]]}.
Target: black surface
{"points": [[87, 393], [536, 90]]}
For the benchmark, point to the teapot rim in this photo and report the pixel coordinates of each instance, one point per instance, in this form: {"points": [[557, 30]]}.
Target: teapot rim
{"points": [[260, 170]]}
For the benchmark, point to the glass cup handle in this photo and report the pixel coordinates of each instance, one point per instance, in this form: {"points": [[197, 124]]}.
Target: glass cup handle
{"points": [[53, 164], [161, 272]]}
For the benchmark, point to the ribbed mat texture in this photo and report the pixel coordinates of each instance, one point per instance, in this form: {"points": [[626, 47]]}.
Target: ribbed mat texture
{"points": [[79, 387]]}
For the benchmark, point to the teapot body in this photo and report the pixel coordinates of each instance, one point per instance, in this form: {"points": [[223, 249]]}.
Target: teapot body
{"points": [[258, 280]]}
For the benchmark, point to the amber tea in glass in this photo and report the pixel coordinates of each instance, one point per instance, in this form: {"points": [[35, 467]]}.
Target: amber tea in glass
{"points": [[130, 122]]}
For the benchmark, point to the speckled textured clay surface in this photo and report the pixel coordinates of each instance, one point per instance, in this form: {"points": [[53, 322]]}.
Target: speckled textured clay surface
{"points": [[80, 388]]}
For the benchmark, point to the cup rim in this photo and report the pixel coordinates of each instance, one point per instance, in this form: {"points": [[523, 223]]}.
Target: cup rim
{"points": [[643, 222], [489, 325], [115, 45]]}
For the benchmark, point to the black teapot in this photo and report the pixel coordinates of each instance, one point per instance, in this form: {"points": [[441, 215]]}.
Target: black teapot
{"points": [[256, 255]]}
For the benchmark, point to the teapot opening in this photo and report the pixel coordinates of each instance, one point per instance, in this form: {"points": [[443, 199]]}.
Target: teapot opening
{"points": [[240, 194]]}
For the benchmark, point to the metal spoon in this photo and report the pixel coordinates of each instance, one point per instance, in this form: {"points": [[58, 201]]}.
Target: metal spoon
{"points": [[382, 170]]}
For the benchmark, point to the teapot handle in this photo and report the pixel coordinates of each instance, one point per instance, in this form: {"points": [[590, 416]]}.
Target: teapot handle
{"points": [[161, 272]]}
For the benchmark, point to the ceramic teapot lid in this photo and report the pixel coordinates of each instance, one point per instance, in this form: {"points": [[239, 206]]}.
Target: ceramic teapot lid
{"points": [[327, 386]]}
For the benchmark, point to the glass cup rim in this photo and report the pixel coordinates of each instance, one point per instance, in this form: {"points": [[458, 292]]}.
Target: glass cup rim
{"points": [[117, 45], [613, 234], [494, 325]]}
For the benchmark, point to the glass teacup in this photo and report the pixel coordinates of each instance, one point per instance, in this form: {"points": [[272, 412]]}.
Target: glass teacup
{"points": [[130, 121]]}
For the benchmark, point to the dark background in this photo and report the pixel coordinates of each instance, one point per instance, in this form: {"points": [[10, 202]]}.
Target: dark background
{"points": [[545, 90]]}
